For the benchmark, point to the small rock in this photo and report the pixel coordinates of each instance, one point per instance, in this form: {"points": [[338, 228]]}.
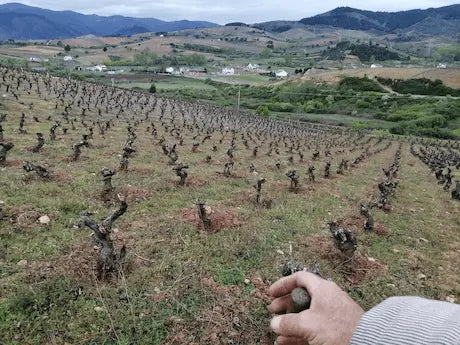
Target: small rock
{"points": [[22, 263], [280, 252], [421, 276], [391, 285], [371, 259], [247, 281], [44, 220], [396, 251], [98, 309], [451, 299], [424, 240]]}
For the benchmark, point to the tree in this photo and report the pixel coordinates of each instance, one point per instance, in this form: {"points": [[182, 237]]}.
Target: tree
{"points": [[104, 49], [153, 88], [67, 48]]}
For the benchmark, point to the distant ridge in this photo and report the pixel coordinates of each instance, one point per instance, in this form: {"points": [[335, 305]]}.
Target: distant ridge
{"points": [[430, 22], [18, 21]]}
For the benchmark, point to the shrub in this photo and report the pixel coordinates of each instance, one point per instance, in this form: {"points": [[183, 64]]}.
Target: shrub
{"points": [[153, 88], [281, 107], [263, 110]]}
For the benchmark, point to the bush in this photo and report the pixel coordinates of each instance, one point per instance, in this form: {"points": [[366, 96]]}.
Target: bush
{"points": [[263, 110], [281, 107], [313, 106], [153, 88]]}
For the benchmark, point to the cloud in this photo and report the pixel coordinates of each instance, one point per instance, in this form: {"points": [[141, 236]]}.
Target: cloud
{"points": [[228, 10]]}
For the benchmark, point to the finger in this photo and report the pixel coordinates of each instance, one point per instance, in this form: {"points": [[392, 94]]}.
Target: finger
{"points": [[291, 325], [281, 305], [290, 341], [300, 279]]}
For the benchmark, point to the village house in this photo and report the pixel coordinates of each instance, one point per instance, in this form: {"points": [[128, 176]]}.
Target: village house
{"points": [[68, 58], [252, 67], [97, 68], [228, 71], [281, 74], [194, 71]]}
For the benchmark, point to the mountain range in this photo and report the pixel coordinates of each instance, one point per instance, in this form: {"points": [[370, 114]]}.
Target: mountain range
{"points": [[430, 22], [18, 21]]}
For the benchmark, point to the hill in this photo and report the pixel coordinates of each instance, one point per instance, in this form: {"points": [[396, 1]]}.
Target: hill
{"points": [[392, 22], [431, 22], [19, 21]]}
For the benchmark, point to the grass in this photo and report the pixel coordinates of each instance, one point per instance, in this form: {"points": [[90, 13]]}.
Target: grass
{"points": [[181, 284]]}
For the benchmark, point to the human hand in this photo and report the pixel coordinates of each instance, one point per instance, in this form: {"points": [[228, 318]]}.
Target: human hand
{"points": [[331, 320]]}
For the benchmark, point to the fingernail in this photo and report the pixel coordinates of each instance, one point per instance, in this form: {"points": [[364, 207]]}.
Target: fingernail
{"points": [[275, 323]]}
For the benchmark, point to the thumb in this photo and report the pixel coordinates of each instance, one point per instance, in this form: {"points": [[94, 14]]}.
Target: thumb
{"points": [[290, 325]]}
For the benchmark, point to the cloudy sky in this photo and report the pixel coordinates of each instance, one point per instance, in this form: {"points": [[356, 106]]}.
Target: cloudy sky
{"points": [[224, 11]]}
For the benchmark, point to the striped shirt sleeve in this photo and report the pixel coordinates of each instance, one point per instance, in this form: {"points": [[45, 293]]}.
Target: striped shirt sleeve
{"points": [[408, 321]]}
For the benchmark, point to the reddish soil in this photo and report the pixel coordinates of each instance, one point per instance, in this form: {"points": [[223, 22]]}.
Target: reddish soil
{"points": [[195, 182], [134, 194], [24, 217], [79, 261], [357, 270], [219, 219], [111, 154], [15, 163], [62, 177], [364, 268], [233, 175], [381, 229], [143, 171]]}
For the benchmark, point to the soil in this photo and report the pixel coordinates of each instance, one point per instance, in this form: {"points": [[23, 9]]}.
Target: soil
{"points": [[62, 177], [224, 319], [134, 194], [219, 219]]}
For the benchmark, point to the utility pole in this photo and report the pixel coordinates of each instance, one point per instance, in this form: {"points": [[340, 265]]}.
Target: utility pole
{"points": [[239, 97]]}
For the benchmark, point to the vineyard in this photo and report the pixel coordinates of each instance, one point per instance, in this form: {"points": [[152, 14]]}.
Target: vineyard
{"points": [[129, 218]]}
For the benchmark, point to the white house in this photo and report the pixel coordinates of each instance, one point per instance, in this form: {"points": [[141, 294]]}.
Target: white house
{"points": [[442, 65], [68, 58], [35, 59], [100, 68], [97, 68], [169, 70], [228, 71], [374, 65], [281, 74], [252, 66]]}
